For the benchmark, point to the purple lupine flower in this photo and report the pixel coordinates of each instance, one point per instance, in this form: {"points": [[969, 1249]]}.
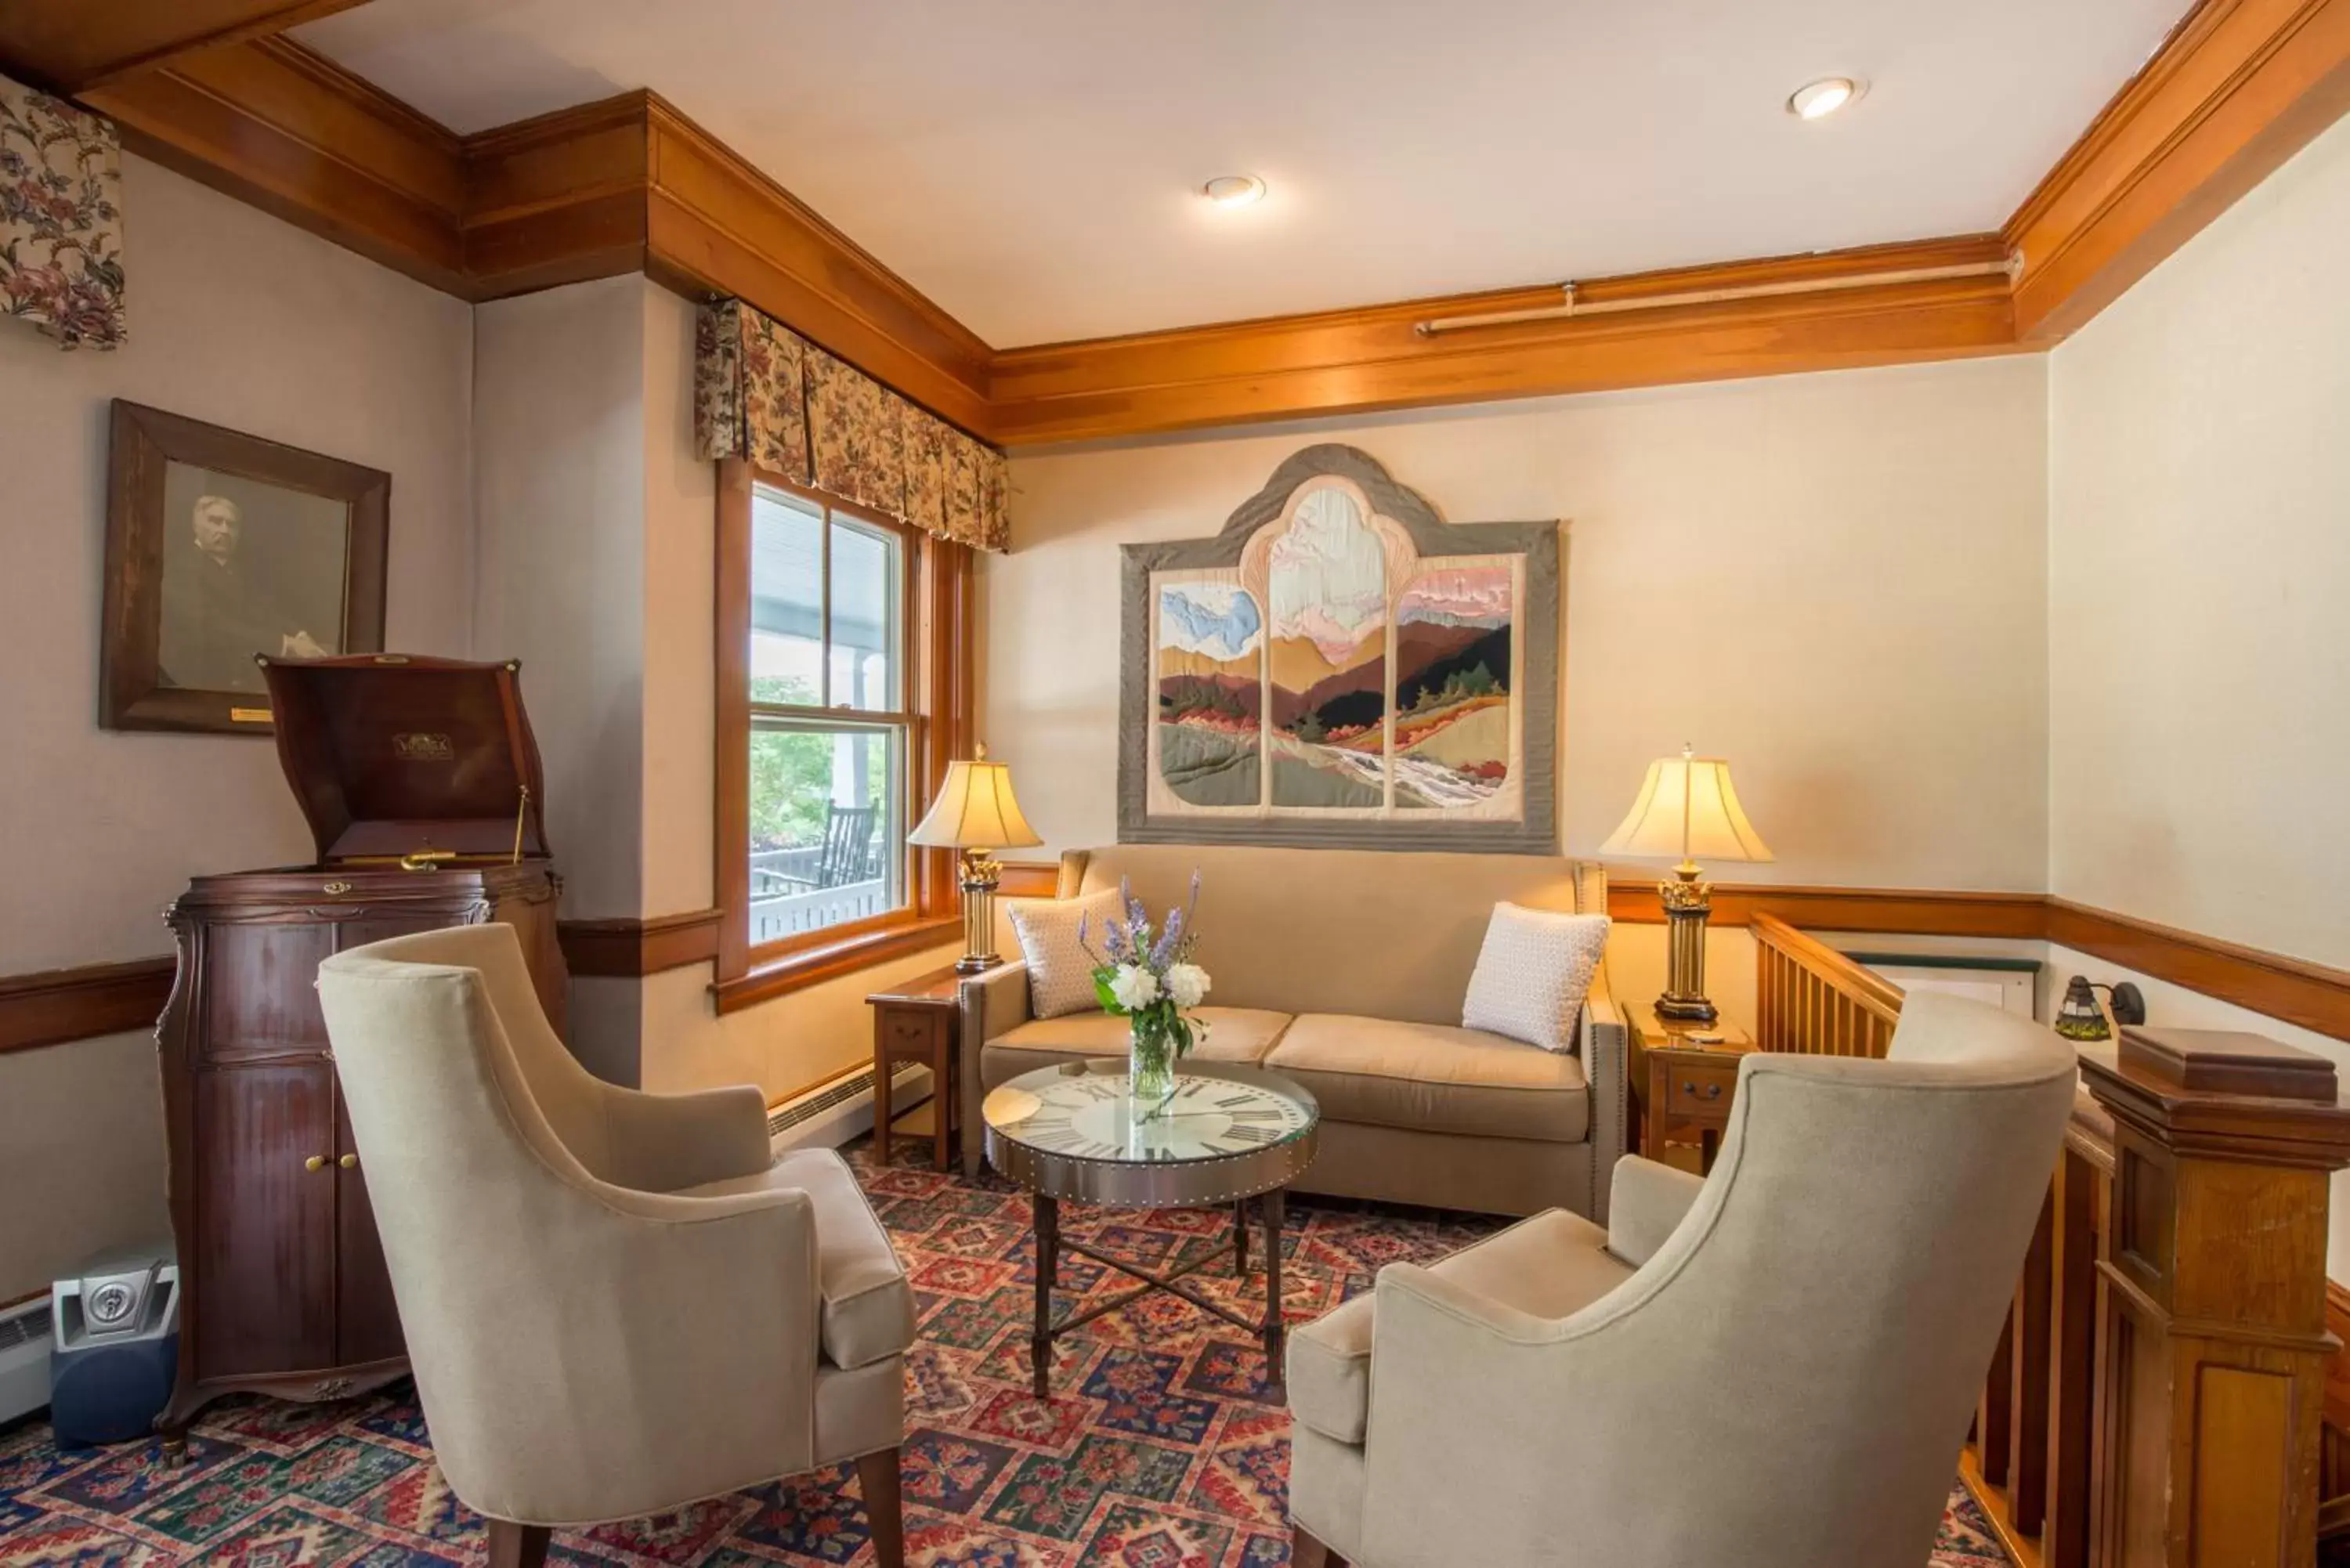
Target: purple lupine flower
{"points": [[1163, 953], [1113, 941]]}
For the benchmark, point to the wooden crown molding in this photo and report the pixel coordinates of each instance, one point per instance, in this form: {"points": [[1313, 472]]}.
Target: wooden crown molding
{"points": [[1360, 361], [70, 46], [60, 1004], [632, 948], [630, 184], [2239, 87], [275, 125]]}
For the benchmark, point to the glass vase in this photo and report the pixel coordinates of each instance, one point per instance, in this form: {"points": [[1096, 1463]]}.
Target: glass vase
{"points": [[1149, 1067]]}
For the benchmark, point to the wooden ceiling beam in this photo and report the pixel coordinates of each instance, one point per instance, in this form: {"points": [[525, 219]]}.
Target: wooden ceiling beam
{"points": [[70, 46], [2239, 87]]}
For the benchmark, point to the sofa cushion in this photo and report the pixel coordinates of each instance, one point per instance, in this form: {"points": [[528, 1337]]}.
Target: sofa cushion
{"points": [[1060, 970], [1551, 1265], [1234, 1034], [1532, 975], [1434, 1078], [867, 1311]]}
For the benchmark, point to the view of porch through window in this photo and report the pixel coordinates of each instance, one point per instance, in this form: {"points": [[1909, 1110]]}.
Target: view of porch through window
{"points": [[828, 718]]}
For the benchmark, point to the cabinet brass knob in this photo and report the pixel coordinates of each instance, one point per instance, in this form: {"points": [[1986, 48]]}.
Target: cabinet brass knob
{"points": [[315, 1162], [349, 1161]]}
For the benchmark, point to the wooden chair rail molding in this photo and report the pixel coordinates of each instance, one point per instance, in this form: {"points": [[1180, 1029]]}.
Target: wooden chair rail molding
{"points": [[57, 1006], [632, 948], [632, 184]]}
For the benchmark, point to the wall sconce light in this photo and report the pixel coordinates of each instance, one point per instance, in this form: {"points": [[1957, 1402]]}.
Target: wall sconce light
{"points": [[2079, 1017]]}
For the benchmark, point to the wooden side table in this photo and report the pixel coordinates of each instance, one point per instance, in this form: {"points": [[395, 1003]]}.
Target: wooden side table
{"points": [[1684, 1076], [918, 1020]]}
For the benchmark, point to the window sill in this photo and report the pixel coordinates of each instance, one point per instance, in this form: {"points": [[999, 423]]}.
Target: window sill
{"points": [[833, 960]]}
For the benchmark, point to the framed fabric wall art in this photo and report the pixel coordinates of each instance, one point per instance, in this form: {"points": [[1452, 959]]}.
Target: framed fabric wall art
{"points": [[1340, 668]]}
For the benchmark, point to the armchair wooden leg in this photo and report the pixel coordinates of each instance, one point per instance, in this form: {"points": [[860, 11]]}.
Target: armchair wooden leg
{"points": [[1305, 1552], [884, 1509], [516, 1545]]}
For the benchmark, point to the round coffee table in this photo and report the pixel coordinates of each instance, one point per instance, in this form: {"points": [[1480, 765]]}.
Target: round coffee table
{"points": [[1231, 1134]]}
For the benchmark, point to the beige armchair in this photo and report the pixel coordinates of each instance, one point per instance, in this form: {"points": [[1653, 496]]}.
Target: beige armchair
{"points": [[1773, 1366], [615, 1303]]}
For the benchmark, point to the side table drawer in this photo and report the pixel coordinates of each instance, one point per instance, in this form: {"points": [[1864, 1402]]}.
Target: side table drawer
{"points": [[908, 1035], [1704, 1089]]}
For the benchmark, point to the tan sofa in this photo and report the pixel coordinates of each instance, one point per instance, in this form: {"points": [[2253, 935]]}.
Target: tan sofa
{"points": [[1344, 971]]}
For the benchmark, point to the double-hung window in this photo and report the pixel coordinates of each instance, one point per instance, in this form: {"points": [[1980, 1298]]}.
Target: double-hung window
{"points": [[839, 659]]}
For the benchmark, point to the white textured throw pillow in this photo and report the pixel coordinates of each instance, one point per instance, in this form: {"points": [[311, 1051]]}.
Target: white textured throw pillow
{"points": [[1060, 975], [1533, 973]]}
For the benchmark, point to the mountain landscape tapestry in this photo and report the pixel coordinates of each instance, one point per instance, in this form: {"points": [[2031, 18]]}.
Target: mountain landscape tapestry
{"points": [[1340, 667]]}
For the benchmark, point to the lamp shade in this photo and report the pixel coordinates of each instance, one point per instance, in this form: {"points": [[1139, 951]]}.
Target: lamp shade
{"points": [[1686, 810], [975, 811]]}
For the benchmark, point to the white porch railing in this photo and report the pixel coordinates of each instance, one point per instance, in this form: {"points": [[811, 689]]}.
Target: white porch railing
{"points": [[790, 914]]}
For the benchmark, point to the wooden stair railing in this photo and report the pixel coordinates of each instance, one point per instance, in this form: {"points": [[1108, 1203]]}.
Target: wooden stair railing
{"points": [[1812, 1000], [2074, 1460]]}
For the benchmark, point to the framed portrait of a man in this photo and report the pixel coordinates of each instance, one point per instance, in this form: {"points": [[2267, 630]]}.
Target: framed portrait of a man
{"points": [[221, 546]]}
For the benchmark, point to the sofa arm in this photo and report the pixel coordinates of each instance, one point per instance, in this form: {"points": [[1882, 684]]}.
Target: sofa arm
{"points": [[993, 1004], [1646, 1205], [1601, 1039]]}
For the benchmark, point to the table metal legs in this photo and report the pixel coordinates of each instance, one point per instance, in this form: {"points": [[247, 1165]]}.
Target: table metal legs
{"points": [[1274, 1206], [1047, 1213]]}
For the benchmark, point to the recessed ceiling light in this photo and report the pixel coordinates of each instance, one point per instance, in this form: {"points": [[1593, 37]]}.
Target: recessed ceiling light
{"points": [[1817, 101], [1233, 190]]}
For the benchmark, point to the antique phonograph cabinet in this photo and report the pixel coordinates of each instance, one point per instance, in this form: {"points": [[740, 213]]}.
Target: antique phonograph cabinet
{"points": [[422, 786]]}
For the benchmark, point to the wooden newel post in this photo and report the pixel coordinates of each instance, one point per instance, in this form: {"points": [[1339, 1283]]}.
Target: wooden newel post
{"points": [[2211, 1372]]}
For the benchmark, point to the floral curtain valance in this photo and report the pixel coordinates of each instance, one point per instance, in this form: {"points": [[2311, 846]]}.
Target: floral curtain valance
{"points": [[60, 218], [763, 392]]}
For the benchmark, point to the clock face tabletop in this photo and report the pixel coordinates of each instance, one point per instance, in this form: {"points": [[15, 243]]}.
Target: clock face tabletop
{"points": [[1073, 1131]]}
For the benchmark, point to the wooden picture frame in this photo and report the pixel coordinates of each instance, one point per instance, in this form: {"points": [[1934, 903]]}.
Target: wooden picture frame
{"points": [[242, 498]]}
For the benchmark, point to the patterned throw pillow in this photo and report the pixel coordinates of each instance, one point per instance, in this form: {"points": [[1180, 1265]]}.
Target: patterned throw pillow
{"points": [[1533, 973], [1060, 975]]}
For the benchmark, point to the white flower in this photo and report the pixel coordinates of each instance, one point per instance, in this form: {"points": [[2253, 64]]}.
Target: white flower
{"points": [[1188, 985], [1135, 988]]}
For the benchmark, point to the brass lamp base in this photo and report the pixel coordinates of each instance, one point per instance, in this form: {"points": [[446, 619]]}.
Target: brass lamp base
{"points": [[980, 875], [1688, 900]]}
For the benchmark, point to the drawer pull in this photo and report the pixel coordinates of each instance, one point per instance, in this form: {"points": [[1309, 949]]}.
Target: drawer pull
{"points": [[1712, 1090], [315, 1162], [349, 1162]]}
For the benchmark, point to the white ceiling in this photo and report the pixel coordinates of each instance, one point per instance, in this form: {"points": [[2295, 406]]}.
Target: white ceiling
{"points": [[1030, 164]]}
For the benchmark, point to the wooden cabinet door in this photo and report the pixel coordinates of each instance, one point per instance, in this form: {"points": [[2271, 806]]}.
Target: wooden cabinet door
{"points": [[262, 1297], [366, 1322]]}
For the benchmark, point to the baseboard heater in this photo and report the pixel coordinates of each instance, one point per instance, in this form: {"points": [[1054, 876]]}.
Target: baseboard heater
{"points": [[24, 1340], [841, 1108]]}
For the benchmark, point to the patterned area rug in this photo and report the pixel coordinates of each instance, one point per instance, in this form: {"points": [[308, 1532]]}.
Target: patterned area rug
{"points": [[1162, 1445]]}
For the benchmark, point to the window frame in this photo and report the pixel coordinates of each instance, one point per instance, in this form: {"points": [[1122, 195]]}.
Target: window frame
{"points": [[935, 706]]}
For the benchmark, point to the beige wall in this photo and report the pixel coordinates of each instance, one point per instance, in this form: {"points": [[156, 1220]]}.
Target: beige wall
{"points": [[2198, 554], [2198, 549], [559, 460], [240, 320], [1836, 581]]}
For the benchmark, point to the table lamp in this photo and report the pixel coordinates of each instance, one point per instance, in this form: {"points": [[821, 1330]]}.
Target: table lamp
{"points": [[1687, 808], [975, 814]]}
